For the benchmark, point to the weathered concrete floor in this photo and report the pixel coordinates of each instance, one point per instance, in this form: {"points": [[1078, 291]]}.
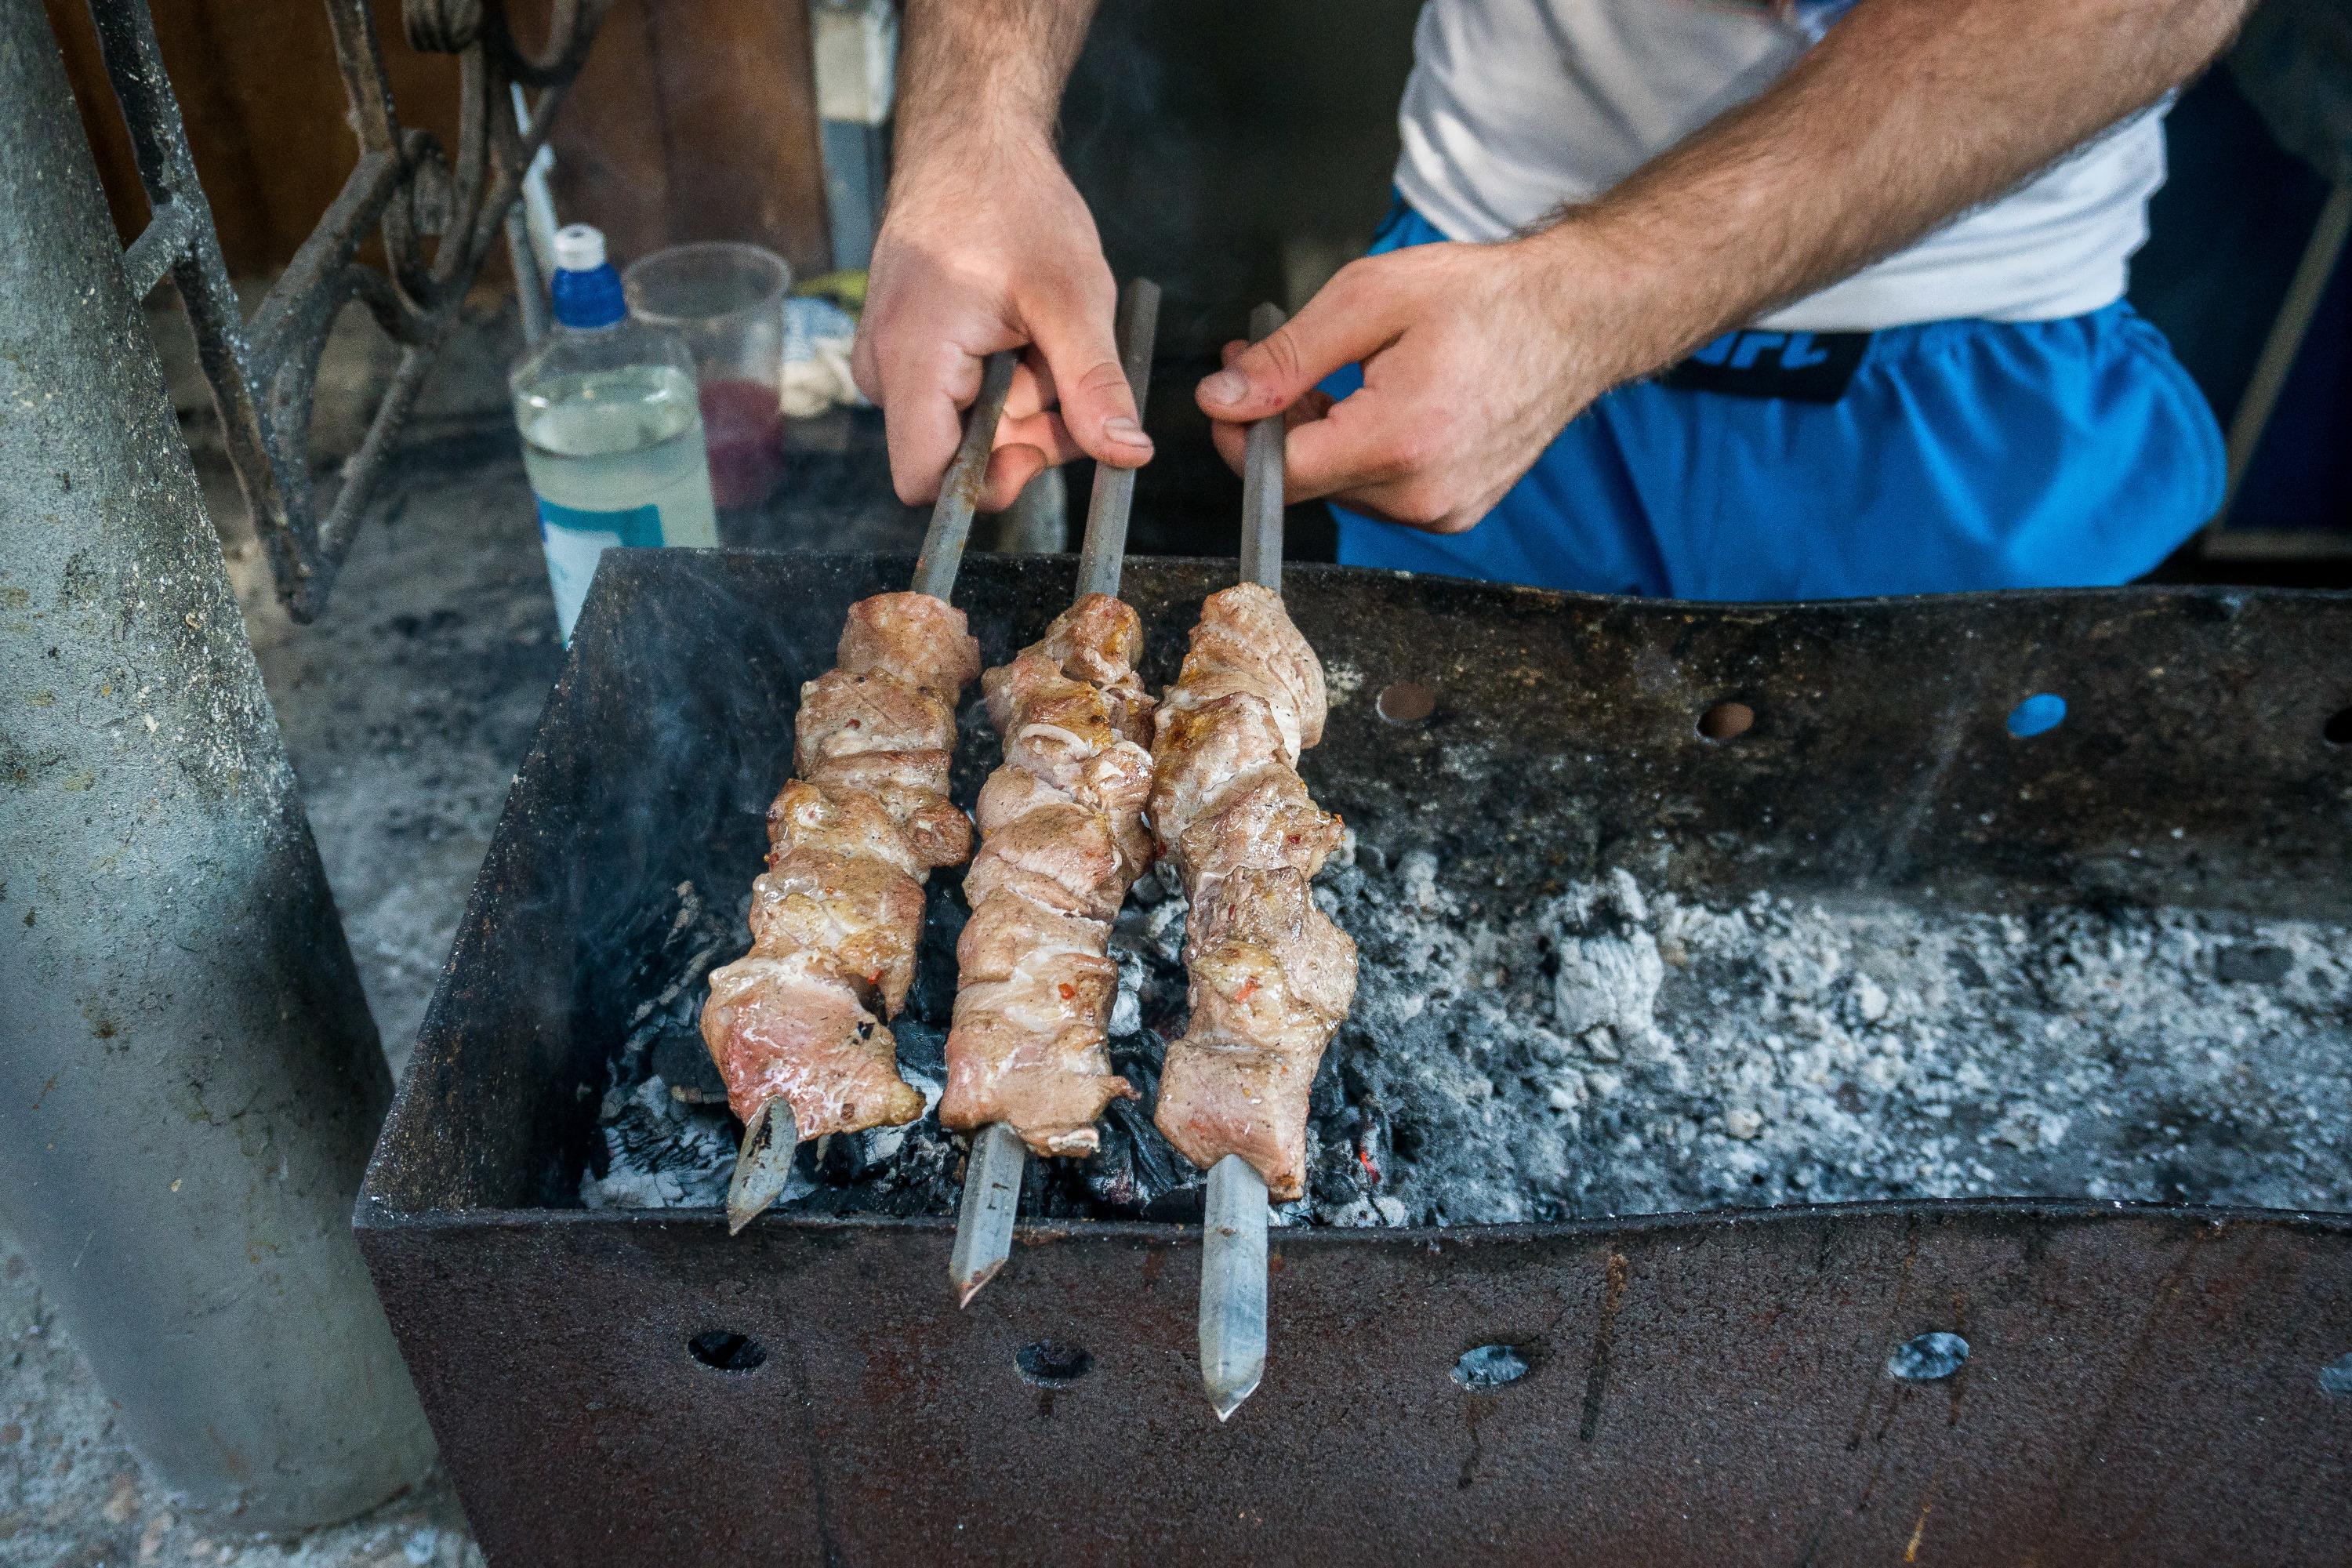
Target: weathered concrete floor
{"points": [[407, 710]]}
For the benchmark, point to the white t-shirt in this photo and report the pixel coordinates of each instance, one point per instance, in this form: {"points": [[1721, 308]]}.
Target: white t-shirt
{"points": [[1516, 106]]}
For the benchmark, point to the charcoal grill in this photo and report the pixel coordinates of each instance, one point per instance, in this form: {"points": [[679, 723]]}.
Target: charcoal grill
{"points": [[2145, 1384]]}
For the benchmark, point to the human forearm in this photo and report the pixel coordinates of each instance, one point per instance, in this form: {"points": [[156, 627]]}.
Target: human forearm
{"points": [[985, 245], [1908, 113], [977, 74]]}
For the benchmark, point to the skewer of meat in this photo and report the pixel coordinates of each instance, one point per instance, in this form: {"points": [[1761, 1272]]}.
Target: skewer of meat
{"points": [[1271, 976], [1062, 839], [799, 1025]]}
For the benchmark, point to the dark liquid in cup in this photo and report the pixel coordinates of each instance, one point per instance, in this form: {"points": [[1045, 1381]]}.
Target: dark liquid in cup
{"points": [[743, 429]]}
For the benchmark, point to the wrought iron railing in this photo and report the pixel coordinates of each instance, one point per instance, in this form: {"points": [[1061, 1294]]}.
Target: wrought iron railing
{"points": [[436, 210]]}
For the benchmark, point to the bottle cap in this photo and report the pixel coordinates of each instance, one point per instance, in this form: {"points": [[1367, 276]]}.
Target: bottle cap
{"points": [[579, 248], [586, 290]]}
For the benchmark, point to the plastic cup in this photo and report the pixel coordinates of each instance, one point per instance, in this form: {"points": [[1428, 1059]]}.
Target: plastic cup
{"points": [[727, 301]]}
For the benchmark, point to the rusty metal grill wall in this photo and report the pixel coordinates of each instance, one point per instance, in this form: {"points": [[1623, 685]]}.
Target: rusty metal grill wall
{"points": [[2145, 1383]]}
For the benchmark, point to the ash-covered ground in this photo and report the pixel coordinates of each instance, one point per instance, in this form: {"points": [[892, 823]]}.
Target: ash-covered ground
{"points": [[1605, 1051]]}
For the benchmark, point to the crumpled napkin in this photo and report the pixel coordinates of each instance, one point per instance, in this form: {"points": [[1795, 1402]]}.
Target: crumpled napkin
{"points": [[817, 336]]}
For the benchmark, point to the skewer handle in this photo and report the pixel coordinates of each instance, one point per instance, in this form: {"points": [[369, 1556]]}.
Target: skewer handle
{"points": [[935, 569], [1262, 479], [1105, 550]]}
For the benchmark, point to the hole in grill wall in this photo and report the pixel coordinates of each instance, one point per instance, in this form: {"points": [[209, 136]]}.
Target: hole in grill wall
{"points": [[1052, 1365], [721, 1350], [2037, 715], [1490, 1366], [1928, 1358], [2339, 729], [1406, 703], [1727, 720]]}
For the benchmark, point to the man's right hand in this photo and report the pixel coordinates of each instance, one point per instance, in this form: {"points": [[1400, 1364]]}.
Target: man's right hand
{"points": [[985, 248]]}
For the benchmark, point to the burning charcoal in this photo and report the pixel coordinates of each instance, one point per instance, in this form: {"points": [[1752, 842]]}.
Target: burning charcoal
{"points": [[1135, 1168], [1354, 1162], [1164, 930], [680, 1059], [668, 974], [1327, 1096], [876, 1149], [931, 998], [1127, 1010], [1182, 1205], [922, 1047], [1448, 1099], [1344, 882], [1150, 889], [919, 1172], [1148, 946]]}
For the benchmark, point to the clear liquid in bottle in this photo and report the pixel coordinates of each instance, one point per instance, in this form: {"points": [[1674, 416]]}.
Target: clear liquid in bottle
{"points": [[612, 429]]}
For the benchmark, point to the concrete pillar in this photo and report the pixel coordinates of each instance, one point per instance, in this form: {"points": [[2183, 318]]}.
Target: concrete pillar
{"points": [[190, 1082]]}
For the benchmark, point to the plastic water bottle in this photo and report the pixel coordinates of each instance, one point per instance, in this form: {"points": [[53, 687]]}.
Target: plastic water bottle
{"points": [[612, 429]]}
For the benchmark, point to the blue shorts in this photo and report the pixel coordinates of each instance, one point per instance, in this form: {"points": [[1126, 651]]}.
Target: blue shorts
{"points": [[1963, 453]]}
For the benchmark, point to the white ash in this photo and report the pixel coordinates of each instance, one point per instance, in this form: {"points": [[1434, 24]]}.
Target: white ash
{"points": [[1609, 1053], [1604, 1051], [659, 1154], [660, 1148]]}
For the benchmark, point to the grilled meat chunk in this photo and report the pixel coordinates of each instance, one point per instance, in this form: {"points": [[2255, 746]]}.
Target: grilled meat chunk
{"points": [[1272, 978], [837, 917], [1062, 839]]}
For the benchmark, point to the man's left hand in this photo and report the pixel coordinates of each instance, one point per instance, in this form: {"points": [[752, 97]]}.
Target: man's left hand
{"points": [[1474, 357]]}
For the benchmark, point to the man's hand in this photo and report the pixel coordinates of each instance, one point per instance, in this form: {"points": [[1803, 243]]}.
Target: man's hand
{"points": [[1000, 254], [1474, 359], [987, 246]]}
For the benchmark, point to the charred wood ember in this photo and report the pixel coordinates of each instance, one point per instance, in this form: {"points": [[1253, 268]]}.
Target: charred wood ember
{"points": [[837, 917], [1135, 1172], [1271, 976], [1062, 839]]}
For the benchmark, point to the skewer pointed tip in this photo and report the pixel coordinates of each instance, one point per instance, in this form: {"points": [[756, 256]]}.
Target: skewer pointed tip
{"points": [[968, 1289], [991, 1198], [1228, 1403], [763, 1165]]}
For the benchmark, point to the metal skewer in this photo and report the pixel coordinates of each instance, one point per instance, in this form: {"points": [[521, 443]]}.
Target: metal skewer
{"points": [[1232, 1225], [935, 568], [1232, 1284], [1262, 479], [1103, 551], [763, 1163], [992, 1181], [991, 1198]]}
